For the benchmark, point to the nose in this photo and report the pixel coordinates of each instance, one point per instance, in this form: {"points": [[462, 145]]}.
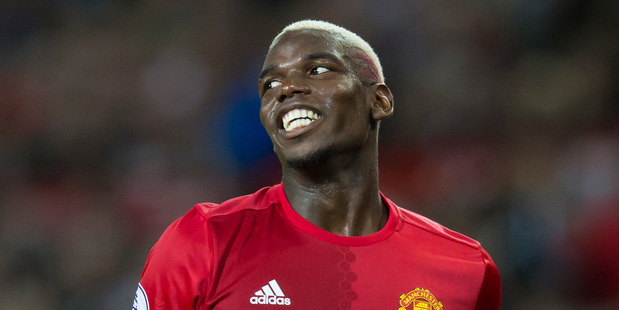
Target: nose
{"points": [[291, 87]]}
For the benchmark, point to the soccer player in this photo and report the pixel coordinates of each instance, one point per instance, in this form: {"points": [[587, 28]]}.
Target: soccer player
{"points": [[326, 237]]}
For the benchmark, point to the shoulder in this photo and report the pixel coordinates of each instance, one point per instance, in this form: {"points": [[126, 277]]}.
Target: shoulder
{"points": [[438, 239], [191, 236], [259, 200], [193, 227], [436, 232]]}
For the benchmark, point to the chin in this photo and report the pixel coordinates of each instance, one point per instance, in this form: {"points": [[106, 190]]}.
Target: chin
{"points": [[312, 159]]}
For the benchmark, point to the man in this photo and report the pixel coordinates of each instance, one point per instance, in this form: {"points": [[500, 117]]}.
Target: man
{"points": [[325, 238]]}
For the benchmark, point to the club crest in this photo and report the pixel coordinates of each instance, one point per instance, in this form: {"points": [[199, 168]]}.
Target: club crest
{"points": [[420, 299]]}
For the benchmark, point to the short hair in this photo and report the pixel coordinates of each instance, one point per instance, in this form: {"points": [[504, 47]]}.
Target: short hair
{"points": [[348, 39]]}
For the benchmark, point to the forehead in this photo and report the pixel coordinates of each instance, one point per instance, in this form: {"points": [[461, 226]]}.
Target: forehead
{"points": [[295, 45]]}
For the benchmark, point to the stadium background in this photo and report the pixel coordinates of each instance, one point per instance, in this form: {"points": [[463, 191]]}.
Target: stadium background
{"points": [[116, 116]]}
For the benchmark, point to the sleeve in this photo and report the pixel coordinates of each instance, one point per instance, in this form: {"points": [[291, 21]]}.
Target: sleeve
{"points": [[489, 297], [178, 267]]}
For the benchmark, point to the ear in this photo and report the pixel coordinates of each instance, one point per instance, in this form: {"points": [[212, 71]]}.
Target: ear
{"points": [[382, 101]]}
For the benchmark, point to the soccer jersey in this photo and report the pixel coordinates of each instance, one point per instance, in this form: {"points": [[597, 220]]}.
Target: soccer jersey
{"points": [[256, 252]]}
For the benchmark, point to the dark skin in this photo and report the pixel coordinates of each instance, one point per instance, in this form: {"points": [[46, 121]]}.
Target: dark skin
{"points": [[330, 167]]}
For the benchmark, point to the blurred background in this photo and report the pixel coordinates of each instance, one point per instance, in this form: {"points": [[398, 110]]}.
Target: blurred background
{"points": [[116, 116]]}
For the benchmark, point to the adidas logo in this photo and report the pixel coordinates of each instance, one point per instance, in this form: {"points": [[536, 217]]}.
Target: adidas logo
{"points": [[270, 294]]}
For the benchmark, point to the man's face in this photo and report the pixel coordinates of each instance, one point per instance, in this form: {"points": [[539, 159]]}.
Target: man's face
{"points": [[312, 103]]}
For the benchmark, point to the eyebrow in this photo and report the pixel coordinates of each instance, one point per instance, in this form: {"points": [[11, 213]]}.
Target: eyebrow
{"points": [[315, 56], [267, 70]]}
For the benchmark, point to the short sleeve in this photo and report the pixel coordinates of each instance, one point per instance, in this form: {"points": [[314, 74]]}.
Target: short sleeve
{"points": [[489, 297], [178, 267]]}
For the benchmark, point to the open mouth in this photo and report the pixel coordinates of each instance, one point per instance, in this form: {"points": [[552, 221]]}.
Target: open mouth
{"points": [[298, 118]]}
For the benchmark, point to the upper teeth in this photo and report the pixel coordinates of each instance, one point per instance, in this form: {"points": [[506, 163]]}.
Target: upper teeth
{"points": [[298, 118]]}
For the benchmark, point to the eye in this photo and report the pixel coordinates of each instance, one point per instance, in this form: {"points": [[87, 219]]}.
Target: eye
{"points": [[272, 84], [319, 70]]}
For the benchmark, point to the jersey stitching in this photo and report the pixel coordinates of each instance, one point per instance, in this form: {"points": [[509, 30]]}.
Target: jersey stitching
{"points": [[208, 217], [214, 205], [212, 253]]}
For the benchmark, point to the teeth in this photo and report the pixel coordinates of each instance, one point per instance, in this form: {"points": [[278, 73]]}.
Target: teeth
{"points": [[299, 118]]}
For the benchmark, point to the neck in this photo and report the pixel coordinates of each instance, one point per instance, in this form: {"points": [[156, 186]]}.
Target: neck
{"points": [[340, 196]]}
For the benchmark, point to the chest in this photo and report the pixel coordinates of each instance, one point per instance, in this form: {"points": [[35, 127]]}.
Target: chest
{"points": [[286, 269]]}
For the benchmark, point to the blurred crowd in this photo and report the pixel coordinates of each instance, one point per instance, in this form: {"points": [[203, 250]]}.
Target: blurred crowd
{"points": [[116, 116]]}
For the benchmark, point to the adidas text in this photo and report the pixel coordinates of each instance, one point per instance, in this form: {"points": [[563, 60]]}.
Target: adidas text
{"points": [[270, 300]]}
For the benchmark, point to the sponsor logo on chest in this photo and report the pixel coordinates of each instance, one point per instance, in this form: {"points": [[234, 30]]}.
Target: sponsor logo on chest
{"points": [[270, 294]]}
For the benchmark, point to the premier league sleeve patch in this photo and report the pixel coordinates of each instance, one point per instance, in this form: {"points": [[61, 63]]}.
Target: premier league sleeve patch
{"points": [[140, 302]]}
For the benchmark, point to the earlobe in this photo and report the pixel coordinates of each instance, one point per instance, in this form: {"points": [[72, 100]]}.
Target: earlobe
{"points": [[382, 103]]}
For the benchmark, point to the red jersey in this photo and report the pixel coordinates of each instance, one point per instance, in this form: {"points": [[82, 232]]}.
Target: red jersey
{"points": [[256, 252]]}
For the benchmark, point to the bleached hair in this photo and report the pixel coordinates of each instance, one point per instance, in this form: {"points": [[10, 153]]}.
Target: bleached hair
{"points": [[346, 38]]}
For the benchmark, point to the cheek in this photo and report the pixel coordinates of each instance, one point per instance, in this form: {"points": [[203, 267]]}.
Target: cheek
{"points": [[348, 112], [267, 118], [342, 95], [350, 98], [346, 93], [263, 120]]}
